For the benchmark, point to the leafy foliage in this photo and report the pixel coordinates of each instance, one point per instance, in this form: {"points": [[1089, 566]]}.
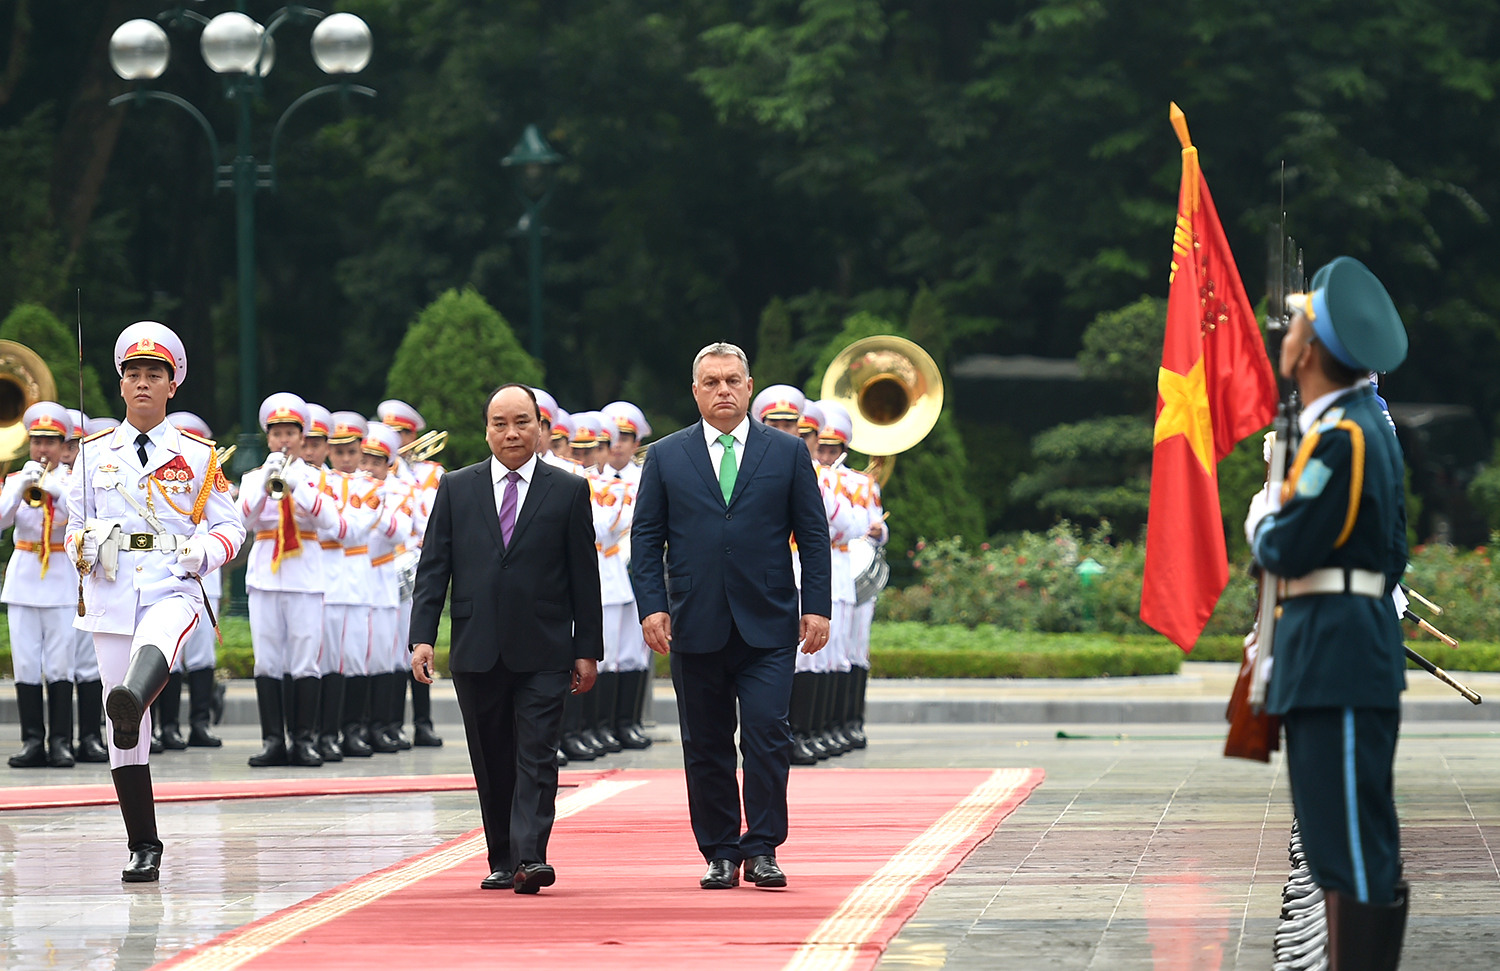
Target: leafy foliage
{"points": [[912, 650], [1092, 471], [39, 329], [775, 362], [1124, 345], [456, 351]]}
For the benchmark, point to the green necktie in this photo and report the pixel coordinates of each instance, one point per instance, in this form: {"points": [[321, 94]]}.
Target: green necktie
{"points": [[727, 467]]}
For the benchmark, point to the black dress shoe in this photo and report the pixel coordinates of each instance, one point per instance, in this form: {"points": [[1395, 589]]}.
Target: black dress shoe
{"points": [[273, 752], [531, 877], [856, 735], [60, 753], [632, 737], [721, 875], [328, 749], [576, 750], [763, 872], [499, 880], [608, 740], [171, 738], [818, 746], [423, 736], [144, 865], [801, 754], [91, 749], [200, 737]]}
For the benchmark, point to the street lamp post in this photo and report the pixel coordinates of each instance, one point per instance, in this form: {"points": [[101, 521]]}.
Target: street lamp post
{"points": [[533, 162], [234, 45]]}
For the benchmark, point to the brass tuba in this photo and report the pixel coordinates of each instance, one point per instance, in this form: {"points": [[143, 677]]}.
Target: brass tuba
{"points": [[894, 393], [25, 379]]}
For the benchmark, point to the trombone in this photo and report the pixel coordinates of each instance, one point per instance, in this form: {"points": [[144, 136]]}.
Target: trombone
{"points": [[424, 447]]}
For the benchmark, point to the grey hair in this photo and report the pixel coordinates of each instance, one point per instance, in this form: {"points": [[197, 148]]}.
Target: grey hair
{"points": [[720, 349]]}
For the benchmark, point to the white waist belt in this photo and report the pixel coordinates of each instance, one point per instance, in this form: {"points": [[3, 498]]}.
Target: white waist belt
{"points": [[1361, 583]]}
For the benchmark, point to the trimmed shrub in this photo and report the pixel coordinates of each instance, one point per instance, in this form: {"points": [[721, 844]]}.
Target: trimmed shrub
{"points": [[39, 329]]}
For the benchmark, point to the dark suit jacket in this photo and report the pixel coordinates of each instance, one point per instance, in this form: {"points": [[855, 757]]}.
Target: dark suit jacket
{"points": [[729, 560], [535, 605]]}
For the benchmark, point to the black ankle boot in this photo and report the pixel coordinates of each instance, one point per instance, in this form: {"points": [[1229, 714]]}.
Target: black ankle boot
{"points": [[422, 734], [90, 717], [330, 717], [33, 754], [816, 720], [128, 701], [856, 727], [1365, 937], [166, 714], [201, 689], [138, 808], [60, 724], [839, 699], [573, 745], [356, 702], [304, 716], [272, 723], [799, 714]]}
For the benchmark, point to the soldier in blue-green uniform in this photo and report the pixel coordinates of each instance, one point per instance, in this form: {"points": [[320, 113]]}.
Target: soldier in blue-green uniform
{"points": [[1336, 534]]}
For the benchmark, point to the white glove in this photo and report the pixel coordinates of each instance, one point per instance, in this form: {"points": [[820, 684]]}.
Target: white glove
{"points": [[190, 557], [1262, 505], [32, 471], [1267, 446], [88, 550], [56, 486]]}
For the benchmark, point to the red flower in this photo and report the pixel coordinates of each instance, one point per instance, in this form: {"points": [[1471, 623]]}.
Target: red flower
{"points": [[984, 546], [921, 544], [1020, 561], [1021, 585]]}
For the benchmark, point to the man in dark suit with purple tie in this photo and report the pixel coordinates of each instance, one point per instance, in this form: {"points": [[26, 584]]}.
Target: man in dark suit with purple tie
{"points": [[515, 536], [711, 565]]}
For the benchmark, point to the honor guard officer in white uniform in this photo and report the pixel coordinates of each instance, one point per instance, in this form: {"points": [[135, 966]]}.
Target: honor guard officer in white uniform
{"points": [[562, 434], [197, 657], [551, 415], [346, 605], [389, 664], [158, 516], [90, 747], [41, 591], [283, 502]]}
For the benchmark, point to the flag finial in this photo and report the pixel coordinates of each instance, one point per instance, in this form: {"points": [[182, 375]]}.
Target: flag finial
{"points": [[1179, 124]]}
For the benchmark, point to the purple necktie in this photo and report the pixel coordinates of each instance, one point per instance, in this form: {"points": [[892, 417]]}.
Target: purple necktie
{"points": [[508, 506]]}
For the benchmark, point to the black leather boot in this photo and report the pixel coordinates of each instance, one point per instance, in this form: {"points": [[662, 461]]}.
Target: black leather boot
{"points": [[60, 724], [356, 702], [138, 808], [129, 700], [382, 690], [330, 717], [1365, 937], [816, 721], [308, 692], [90, 718], [33, 754], [836, 706], [799, 714], [573, 745], [272, 723], [397, 723], [588, 705], [627, 711], [166, 714], [422, 734], [855, 729], [607, 687], [201, 689]]}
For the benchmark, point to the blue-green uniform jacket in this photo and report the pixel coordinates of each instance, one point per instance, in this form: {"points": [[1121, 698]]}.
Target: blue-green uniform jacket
{"points": [[1340, 650]]}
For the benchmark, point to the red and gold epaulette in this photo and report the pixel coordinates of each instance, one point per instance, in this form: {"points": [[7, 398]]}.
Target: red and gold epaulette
{"points": [[98, 434], [197, 438]]}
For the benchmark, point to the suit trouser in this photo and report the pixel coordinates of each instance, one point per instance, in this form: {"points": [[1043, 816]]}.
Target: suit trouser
{"points": [[708, 687], [286, 630], [1339, 764], [165, 626], [513, 722], [41, 643]]}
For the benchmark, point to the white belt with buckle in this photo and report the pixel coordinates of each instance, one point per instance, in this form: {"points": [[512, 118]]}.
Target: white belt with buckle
{"points": [[154, 542], [1361, 583]]}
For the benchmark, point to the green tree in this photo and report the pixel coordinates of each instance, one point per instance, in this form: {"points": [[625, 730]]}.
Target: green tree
{"points": [[37, 328], [457, 350], [775, 361], [1124, 346], [1092, 471]]}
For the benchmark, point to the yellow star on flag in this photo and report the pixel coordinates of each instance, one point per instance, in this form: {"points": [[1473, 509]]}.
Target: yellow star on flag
{"points": [[1185, 412]]}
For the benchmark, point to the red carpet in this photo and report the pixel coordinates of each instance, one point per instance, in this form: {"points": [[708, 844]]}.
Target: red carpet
{"points": [[65, 797], [867, 845]]}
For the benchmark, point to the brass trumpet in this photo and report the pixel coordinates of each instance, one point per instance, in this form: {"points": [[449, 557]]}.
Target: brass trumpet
{"points": [[35, 495], [424, 447], [275, 484]]}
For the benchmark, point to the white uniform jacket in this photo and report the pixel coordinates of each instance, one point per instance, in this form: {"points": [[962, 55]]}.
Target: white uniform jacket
{"points": [[387, 538], [630, 473], [314, 513], [844, 523], [25, 586], [613, 507], [181, 486], [567, 465], [347, 557]]}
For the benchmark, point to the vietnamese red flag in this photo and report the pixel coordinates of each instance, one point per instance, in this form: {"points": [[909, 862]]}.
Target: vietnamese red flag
{"points": [[1215, 387]]}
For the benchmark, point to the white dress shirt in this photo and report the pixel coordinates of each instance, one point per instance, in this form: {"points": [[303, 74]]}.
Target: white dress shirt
{"points": [[716, 450], [498, 473], [1314, 409]]}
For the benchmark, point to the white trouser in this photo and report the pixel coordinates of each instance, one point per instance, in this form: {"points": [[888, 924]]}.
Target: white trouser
{"points": [[384, 643], [165, 626], [41, 643], [864, 619], [624, 644], [347, 628], [286, 630], [835, 657], [201, 649], [85, 658]]}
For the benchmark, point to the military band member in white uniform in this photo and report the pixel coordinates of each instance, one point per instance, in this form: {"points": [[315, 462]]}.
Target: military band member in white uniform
{"points": [[389, 663], [562, 435], [285, 582], [630, 662], [833, 443], [90, 747], [346, 604], [158, 516], [41, 591], [556, 427]]}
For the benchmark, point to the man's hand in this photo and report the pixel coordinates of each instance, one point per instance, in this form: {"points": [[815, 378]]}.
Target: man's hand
{"points": [[190, 558], [423, 663], [814, 633], [585, 673], [657, 628], [88, 551]]}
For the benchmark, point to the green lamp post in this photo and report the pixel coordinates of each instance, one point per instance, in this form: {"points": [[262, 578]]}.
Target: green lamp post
{"points": [[234, 45], [533, 164]]}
